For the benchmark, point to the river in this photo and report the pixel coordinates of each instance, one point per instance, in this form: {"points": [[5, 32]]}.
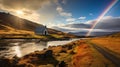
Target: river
{"points": [[21, 47]]}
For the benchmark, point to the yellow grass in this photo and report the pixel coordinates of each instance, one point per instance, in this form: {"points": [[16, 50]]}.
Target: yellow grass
{"points": [[83, 55], [15, 32], [83, 58], [87, 56], [108, 42], [57, 36]]}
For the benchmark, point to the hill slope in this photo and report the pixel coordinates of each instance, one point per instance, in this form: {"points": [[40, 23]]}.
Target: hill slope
{"points": [[10, 24], [16, 22]]}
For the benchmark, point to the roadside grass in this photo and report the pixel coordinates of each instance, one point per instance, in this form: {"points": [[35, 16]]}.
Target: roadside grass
{"points": [[110, 44], [87, 56], [56, 35], [99, 59]]}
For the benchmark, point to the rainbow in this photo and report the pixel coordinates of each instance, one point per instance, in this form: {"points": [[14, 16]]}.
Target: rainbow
{"points": [[101, 16]]}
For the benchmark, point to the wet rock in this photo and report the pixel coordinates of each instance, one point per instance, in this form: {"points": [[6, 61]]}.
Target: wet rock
{"points": [[62, 64], [63, 51], [70, 47], [49, 53], [5, 62], [72, 52]]}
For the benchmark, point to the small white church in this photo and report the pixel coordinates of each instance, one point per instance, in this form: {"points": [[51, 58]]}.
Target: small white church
{"points": [[42, 30]]}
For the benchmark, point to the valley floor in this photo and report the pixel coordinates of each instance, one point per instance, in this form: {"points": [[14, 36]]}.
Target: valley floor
{"points": [[79, 53], [76, 54]]}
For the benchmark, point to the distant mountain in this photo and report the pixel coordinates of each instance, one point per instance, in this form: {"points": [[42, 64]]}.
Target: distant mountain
{"points": [[117, 34], [92, 34], [81, 25], [78, 33]]}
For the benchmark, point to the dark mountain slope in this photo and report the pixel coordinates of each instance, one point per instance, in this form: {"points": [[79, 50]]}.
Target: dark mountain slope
{"points": [[16, 22]]}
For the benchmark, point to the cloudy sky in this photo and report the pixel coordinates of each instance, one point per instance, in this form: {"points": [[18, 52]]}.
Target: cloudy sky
{"points": [[67, 15]]}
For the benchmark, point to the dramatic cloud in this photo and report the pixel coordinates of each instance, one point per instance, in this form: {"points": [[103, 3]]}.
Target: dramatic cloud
{"points": [[62, 12], [70, 19], [27, 4], [108, 22], [82, 18], [59, 9], [111, 23], [40, 11], [67, 16], [106, 26], [64, 1], [34, 10]]}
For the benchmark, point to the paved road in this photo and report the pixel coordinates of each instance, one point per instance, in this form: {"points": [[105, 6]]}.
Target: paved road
{"points": [[107, 55]]}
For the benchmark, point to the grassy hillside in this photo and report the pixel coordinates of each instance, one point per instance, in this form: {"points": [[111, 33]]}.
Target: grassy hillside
{"points": [[9, 32], [16, 22], [13, 25]]}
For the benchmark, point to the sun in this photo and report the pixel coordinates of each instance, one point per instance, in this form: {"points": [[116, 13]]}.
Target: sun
{"points": [[19, 12]]}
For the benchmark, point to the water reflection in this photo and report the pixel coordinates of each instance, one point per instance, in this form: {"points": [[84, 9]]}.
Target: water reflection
{"points": [[23, 47], [20, 48], [17, 51]]}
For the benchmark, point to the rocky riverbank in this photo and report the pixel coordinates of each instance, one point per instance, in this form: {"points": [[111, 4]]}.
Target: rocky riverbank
{"points": [[75, 54], [51, 57]]}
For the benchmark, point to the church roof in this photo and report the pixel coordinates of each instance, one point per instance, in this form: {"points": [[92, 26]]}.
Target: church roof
{"points": [[40, 29]]}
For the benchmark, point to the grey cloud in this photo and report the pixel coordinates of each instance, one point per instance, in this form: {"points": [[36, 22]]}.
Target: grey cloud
{"points": [[83, 33], [112, 23], [105, 26], [78, 25], [63, 13], [33, 10], [62, 29]]}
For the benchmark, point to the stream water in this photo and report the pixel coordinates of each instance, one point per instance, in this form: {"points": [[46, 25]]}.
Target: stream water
{"points": [[21, 47]]}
